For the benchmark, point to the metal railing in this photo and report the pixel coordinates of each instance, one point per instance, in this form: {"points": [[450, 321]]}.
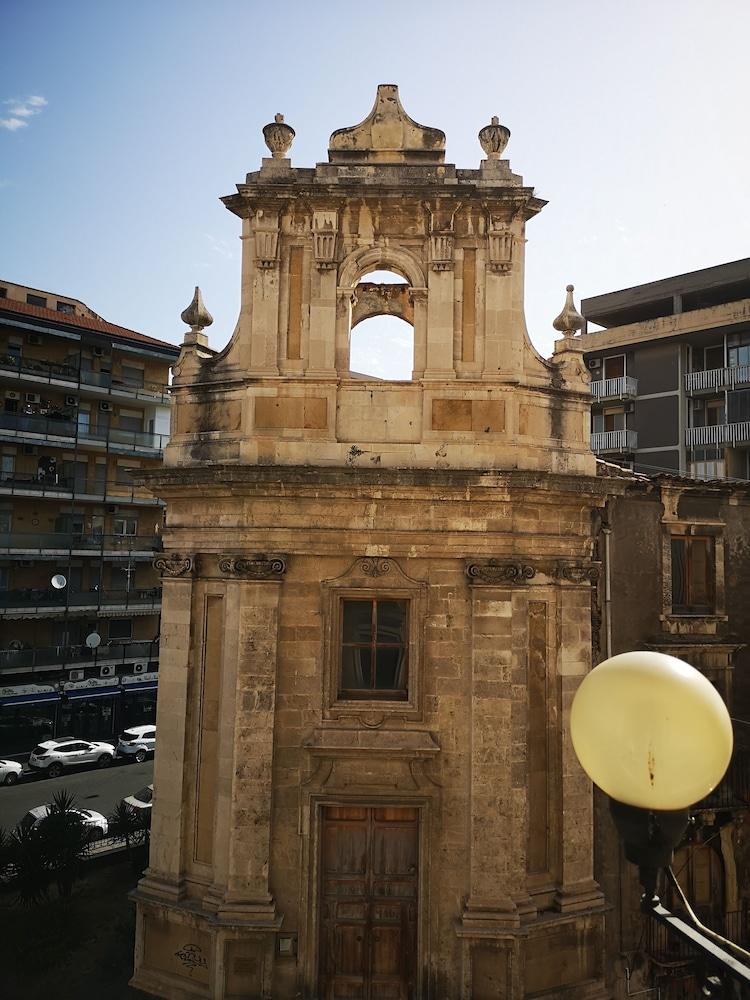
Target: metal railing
{"points": [[614, 388], [112, 652], [717, 378], [50, 371], [624, 440], [731, 434], [61, 426], [41, 598], [32, 541], [666, 948]]}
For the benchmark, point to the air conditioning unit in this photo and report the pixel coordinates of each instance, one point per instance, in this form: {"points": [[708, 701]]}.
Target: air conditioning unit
{"points": [[104, 406], [71, 400], [76, 675], [98, 352], [25, 563], [32, 397], [594, 363], [107, 670], [140, 668], [12, 394], [630, 407], [34, 338]]}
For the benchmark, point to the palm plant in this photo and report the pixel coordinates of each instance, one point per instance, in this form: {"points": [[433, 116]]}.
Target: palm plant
{"points": [[124, 824], [64, 840], [26, 865]]}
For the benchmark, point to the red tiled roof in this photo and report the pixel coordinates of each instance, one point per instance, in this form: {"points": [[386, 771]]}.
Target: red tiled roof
{"points": [[82, 322]]}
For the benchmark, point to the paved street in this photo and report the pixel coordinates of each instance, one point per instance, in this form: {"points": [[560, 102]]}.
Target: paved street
{"points": [[93, 789]]}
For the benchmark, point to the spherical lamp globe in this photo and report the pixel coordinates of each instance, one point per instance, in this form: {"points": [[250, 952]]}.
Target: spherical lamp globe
{"points": [[651, 731]]}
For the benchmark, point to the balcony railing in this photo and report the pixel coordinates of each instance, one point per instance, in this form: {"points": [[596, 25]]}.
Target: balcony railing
{"points": [[667, 948], [48, 599], [60, 656], [717, 378], [32, 541], [614, 388], [731, 434], [48, 371], [60, 426], [625, 440], [52, 483]]}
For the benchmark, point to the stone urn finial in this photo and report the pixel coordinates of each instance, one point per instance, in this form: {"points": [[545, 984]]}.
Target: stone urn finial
{"points": [[493, 138], [197, 318], [279, 137], [569, 320]]}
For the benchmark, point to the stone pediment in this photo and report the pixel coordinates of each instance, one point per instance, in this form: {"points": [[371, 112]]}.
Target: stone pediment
{"points": [[387, 135]]}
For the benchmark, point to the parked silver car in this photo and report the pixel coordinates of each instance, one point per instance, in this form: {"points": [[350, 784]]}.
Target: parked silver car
{"points": [[53, 756], [95, 823], [137, 743], [10, 772]]}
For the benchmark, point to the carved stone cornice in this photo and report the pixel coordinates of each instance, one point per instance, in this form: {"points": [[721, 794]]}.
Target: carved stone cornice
{"points": [[174, 565], [499, 572], [372, 566], [256, 567]]}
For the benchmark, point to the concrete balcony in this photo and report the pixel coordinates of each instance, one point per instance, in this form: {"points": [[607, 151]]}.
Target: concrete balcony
{"points": [[35, 371], [729, 434], [52, 484], [40, 545], [614, 441], [48, 603], [60, 431], [615, 388], [716, 379], [47, 658]]}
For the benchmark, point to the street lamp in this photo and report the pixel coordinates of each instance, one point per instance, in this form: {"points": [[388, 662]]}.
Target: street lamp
{"points": [[654, 734]]}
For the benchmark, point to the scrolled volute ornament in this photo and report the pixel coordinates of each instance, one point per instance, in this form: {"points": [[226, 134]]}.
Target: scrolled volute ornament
{"points": [[175, 565], [372, 566], [256, 567], [577, 572], [500, 572]]}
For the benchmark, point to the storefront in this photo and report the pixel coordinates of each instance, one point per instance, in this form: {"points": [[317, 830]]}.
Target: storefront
{"points": [[92, 709]]}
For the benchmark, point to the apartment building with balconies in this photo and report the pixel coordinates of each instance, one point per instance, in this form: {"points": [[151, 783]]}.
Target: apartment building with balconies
{"points": [[670, 373], [84, 404]]}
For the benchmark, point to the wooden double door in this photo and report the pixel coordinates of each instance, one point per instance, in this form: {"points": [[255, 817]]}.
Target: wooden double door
{"points": [[368, 903]]}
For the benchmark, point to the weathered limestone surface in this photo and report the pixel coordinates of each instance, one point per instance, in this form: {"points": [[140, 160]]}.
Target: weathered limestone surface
{"points": [[466, 495]]}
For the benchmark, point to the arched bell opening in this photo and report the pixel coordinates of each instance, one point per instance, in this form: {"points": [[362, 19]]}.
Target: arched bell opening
{"points": [[381, 341]]}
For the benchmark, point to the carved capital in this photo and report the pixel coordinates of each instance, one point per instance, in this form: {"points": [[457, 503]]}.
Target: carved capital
{"points": [[256, 567], [173, 565], [325, 230], [441, 251], [266, 248], [583, 572], [499, 572], [372, 566]]}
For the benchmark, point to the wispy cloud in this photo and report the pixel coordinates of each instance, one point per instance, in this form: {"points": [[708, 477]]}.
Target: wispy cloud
{"points": [[20, 110], [221, 247]]}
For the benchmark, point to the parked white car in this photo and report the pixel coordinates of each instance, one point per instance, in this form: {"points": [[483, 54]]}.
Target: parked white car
{"points": [[137, 743], [53, 756], [142, 800], [10, 772], [95, 823]]}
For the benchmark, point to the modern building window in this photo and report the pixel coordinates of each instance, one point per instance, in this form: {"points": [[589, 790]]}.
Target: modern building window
{"points": [[708, 412], [374, 649], [738, 406], [130, 421], [706, 359], [120, 628], [125, 526], [693, 574], [65, 307], [5, 519], [614, 367], [84, 422], [36, 300], [7, 466], [4, 577], [739, 349], [132, 376], [608, 420]]}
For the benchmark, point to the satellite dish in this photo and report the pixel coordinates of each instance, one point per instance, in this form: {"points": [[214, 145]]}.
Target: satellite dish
{"points": [[93, 639], [58, 581]]}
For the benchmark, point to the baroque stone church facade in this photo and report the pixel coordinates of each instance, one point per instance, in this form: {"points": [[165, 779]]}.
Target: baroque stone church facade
{"points": [[377, 604]]}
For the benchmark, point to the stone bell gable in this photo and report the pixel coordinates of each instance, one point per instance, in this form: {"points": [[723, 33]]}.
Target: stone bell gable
{"points": [[282, 392], [377, 601]]}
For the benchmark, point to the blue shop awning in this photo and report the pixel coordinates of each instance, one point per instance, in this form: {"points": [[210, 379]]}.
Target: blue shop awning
{"points": [[102, 692], [29, 699]]}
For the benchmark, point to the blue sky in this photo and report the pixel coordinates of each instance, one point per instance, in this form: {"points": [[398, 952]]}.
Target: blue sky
{"points": [[629, 118]]}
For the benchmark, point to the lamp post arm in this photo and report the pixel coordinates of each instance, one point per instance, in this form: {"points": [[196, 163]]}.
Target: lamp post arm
{"points": [[715, 955], [739, 952]]}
